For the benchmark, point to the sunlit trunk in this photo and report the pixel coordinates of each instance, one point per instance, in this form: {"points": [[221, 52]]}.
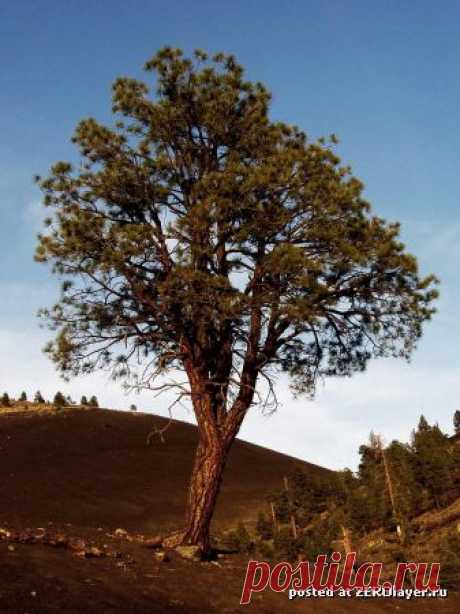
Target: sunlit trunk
{"points": [[204, 488]]}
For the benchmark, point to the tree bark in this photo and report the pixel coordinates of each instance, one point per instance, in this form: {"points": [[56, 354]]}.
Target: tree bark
{"points": [[205, 482], [217, 430]]}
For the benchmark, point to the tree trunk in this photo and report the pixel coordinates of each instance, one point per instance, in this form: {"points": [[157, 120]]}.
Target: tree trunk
{"points": [[204, 487], [217, 431]]}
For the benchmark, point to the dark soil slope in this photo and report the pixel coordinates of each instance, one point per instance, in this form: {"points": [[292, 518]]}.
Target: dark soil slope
{"points": [[77, 476], [93, 468]]}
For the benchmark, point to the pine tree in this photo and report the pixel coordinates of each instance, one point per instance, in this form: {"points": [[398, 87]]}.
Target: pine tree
{"points": [[38, 397], [93, 402], [84, 400], [6, 402], [433, 461], [457, 422], [373, 481], [406, 490], [264, 527], [59, 400], [323, 285], [450, 560], [23, 396]]}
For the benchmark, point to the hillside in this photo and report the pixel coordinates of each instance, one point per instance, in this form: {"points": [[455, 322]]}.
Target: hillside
{"points": [[79, 475], [93, 468]]}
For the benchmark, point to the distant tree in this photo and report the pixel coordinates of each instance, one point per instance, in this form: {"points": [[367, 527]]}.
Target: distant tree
{"points": [[281, 505], [93, 402], [402, 464], [132, 407], [68, 398], [360, 512], [84, 400], [457, 422], [240, 539], [264, 526], [201, 236], [286, 546], [433, 460], [318, 539], [372, 478], [423, 426], [38, 398], [6, 402], [449, 552], [312, 493], [23, 396], [59, 400]]}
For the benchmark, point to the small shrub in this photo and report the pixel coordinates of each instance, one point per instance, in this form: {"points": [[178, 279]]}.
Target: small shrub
{"points": [[239, 540], [265, 550], [5, 400], [93, 401], [450, 560], [399, 556], [286, 547], [264, 527], [59, 400], [38, 397]]}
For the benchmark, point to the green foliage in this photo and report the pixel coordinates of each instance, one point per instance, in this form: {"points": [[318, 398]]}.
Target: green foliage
{"points": [[402, 464], [265, 550], [420, 475], [5, 401], [38, 398], [399, 555], [93, 402], [313, 493], [132, 407], [319, 538], [450, 560], [240, 540], [433, 461], [360, 511], [59, 400], [286, 547], [372, 477], [264, 526], [457, 422], [281, 504], [23, 396], [84, 400], [323, 285]]}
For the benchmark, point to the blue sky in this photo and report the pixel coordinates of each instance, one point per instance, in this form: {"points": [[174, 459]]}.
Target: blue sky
{"points": [[382, 76]]}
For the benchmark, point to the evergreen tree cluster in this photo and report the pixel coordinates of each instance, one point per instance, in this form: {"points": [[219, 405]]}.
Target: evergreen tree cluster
{"points": [[5, 400], [59, 400], [93, 402], [393, 484]]}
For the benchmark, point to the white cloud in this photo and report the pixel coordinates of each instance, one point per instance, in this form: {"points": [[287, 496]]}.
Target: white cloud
{"points": [[388, 399]]}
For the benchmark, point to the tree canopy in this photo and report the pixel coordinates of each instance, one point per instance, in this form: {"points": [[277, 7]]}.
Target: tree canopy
{"points": [[198, 226]]}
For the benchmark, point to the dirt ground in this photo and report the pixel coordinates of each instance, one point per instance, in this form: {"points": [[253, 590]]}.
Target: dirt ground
{"points": [[80, 475]]}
